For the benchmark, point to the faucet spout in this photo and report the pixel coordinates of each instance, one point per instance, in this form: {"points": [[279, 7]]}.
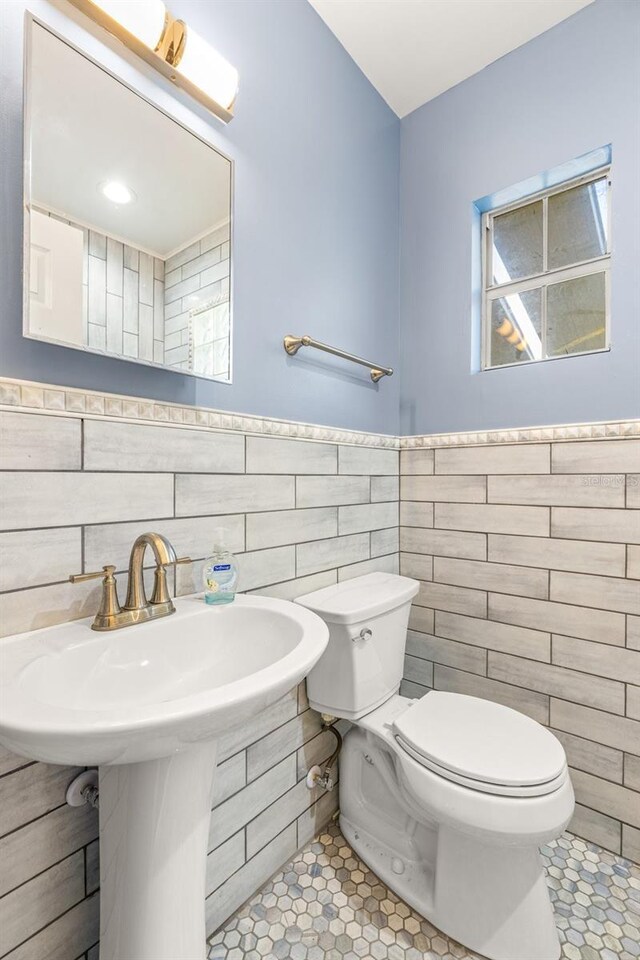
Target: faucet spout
{"points": [[163, 553]]}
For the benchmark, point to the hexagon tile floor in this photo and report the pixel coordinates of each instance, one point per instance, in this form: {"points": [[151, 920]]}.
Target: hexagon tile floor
{"points": [[327, 905]]}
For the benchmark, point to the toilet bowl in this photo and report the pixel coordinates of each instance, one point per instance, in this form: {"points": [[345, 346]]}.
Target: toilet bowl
{"points": [[448, 797]]}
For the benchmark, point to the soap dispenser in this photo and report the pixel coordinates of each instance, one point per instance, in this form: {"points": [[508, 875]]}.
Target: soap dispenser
{"points": [[220, 572]]}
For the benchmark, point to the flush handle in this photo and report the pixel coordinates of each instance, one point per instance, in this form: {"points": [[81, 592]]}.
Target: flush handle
{"points": [[365, 634]]}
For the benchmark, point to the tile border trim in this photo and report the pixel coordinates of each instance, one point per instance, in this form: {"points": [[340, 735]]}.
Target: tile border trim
{"points": [[70, 401]]}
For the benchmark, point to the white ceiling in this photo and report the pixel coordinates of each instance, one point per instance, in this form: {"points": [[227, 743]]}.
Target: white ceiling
{"points": [[413, 50], [87, 128]]}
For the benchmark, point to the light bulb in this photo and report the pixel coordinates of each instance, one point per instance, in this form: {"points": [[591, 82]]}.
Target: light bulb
{"points": [[117, 192], [145, 19], [209, 71]]}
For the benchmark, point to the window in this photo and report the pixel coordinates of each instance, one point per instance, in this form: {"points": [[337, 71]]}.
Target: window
{"points": [[546, 274]]}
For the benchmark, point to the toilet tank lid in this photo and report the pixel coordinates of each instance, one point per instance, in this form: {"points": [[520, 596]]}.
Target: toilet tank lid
{"points": [[360, 598]]}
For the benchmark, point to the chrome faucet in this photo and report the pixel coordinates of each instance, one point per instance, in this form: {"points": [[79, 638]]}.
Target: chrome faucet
{"points": [[137, 609]]}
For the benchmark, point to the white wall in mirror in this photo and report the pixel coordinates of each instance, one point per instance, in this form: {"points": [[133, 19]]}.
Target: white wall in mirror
{"points": [[128, 220]]}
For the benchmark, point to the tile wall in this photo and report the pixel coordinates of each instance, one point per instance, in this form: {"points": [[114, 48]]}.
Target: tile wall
{"points": [[529, 562], [123, 296], [194, 277], [75, 493]]}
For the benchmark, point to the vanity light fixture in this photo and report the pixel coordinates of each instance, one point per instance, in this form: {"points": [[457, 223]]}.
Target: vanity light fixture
{"points": [[147, 28], [117, 192]]}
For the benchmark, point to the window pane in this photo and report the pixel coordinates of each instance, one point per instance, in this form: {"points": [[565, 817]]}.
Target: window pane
{"points": [[578, 224], [516, 328], [517, 243], [576, 315]]}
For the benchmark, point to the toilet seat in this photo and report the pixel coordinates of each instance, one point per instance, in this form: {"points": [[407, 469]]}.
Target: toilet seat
{"points": [[482, 745]]}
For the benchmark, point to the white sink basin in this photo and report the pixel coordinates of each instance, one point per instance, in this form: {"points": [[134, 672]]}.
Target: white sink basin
{"points": [[71, 695], [148, 704]]}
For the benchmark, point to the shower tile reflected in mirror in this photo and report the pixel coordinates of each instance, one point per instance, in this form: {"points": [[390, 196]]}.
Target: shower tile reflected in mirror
{"points": [[128, 216]]}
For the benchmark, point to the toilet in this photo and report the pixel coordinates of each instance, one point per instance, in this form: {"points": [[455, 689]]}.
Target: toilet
{"points": [[447, 797]]}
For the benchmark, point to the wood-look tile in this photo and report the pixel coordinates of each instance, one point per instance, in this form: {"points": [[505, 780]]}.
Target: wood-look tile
{"points": [[236, 812], [596, 456], [331, 491], [450, 653], [630, 843], [416, 514], [610, 798], [492, 518], [558, 490], [223, 862], [290, 526], [372, 516], [368, 460], [600, 659], [274, 716], [609, 526], [440, 596], [336, 552], [606, 593], [29, 441], [209, 493], [386, 564], [621, 733], [592, 757], [297, 587], [34, 500], [417, 670], [109, 445], [528, 458], [416, 565], [502, 577], [580, 556], [558, 682], [444, 543], [602, 626], [384, 488], [414, 462], [444, 489], [44, 898], [384, 542], [275, 746], [68, 936], [275, 455], [596, 827], [39, 557], [504, 637], [31, 792]]}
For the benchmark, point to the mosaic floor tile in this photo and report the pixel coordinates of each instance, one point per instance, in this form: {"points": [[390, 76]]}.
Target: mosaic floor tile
{"points": [[327, 905]]}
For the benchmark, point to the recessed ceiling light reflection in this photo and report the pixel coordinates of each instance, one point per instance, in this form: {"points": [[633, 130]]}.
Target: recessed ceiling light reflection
{"points": [[117, 192]]}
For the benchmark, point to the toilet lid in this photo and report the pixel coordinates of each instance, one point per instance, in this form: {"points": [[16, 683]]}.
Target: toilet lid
{"points": [[480, 740]]}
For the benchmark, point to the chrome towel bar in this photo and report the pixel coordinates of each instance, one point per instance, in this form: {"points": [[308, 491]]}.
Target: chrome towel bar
{"points": [[292, 345]]}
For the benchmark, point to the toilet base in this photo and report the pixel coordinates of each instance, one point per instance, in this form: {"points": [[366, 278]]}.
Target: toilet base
{"points": [[490, 897]]}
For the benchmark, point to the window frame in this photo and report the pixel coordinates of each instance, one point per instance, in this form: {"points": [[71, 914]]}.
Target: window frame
{"points": [[548, 277]]}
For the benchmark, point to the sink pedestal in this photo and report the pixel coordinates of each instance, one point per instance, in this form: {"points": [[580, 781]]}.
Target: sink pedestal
{"points": [[154, 828]]}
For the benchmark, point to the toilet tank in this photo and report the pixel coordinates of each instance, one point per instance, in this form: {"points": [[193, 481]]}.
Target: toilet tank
{"points": [[363, 663]]}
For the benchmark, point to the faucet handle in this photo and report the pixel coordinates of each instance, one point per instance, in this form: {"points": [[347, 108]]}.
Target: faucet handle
{"points": [[106, 573], [106, 617], [160, 592]]}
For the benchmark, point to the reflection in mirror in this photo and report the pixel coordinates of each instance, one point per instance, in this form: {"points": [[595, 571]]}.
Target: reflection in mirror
{"points": [[128, 220]]}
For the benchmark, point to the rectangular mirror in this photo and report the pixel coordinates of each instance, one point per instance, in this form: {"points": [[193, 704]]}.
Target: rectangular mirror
{"points": [[128, 221]]}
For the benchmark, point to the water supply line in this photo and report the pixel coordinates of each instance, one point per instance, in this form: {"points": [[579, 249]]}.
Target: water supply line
{"points": [[317, 776]]}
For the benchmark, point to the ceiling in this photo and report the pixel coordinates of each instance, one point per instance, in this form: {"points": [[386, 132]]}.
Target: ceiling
{"points": [[88, 128], [413, 50]]}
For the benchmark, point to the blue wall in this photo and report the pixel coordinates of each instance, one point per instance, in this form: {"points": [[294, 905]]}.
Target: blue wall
{"points": [[570, 90], [316, 222]]}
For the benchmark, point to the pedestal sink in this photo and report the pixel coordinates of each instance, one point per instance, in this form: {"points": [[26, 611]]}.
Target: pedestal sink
{"points": [[148, 705]]}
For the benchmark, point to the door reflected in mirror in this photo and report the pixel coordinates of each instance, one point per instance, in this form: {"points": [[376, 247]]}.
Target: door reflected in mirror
{"points": [[128, 221]]}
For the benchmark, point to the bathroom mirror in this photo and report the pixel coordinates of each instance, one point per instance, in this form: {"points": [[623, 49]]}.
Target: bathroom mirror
{"points": [[127, 221]]}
